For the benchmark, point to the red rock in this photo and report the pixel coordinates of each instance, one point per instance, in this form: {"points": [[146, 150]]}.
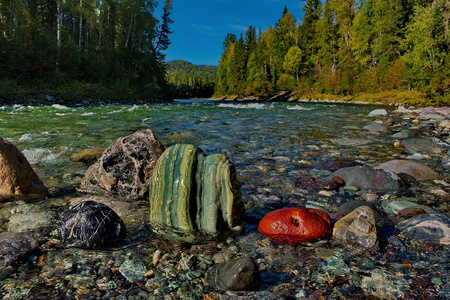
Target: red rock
{"points": [[296, 225]]}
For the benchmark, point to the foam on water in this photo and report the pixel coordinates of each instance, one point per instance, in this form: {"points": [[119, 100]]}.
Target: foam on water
{"points": [[239, 106], [299, 107], [87, 114], [37, 155]]}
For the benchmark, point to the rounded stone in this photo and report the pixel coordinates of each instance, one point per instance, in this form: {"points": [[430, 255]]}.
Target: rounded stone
{"points": [[91, 224], [295, 225], [240, 274]]}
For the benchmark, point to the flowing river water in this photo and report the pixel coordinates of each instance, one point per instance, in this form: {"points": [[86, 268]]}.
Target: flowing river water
{"points": [[272, 145]]}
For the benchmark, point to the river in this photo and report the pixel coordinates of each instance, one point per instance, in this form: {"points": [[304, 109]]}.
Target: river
{"points": [[272, 145]]}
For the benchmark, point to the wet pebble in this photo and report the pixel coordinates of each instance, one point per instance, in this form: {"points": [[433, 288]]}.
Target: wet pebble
{"points": [[239, 274]]}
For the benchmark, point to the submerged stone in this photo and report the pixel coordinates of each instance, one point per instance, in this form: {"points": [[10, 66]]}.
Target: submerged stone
{"points": [[240, 274], [426, 145], [295, 225], [428, 227], [367, 178], [194, 196], [333, 165], [417, 170], [357, 230], [91, 224]]}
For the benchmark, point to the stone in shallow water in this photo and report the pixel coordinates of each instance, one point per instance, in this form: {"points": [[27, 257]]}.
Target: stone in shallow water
{"points": [[378, 112], [13, 245], [377, 128], [411, 212], [125, 168], [333, 165], [426, 145], [350, 206], [367, 178], [194, 196], [240, 274], [295, 225], [357, 230], [430, 227], [17, 177], [91, 224], [417, 170]]}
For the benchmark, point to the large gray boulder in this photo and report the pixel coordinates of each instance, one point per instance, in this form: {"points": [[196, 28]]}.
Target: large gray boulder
{"points": [[125, 168]]}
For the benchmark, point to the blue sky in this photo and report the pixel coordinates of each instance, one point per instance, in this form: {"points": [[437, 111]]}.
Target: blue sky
{"points": [[200, 26]]}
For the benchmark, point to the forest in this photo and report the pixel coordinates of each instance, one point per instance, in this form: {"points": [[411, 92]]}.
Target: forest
{"points": [[84, 47], [347, 48], [187, 80]]}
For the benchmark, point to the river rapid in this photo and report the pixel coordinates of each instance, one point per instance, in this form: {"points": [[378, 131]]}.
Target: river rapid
{"points": [[272, 145]]}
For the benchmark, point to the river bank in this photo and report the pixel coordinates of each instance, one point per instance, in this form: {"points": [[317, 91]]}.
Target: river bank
{"points": [[382, 98]]}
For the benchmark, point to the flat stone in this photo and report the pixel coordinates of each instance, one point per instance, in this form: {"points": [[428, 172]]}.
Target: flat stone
{"points": [[411, 212], [367, 178], [426, 145], [377, 128], [133, 271], [417, 170], [332, 165], [13, 246], [396, 206], [429, 227]]}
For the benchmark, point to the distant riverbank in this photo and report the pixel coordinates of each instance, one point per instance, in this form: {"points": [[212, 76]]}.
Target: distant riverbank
{"points": [[383, 98]]}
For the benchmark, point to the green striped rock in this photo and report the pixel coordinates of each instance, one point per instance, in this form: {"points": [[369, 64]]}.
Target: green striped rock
{"points": [[194, 196]]}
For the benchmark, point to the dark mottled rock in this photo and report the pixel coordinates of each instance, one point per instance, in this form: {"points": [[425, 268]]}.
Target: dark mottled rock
{"points": [[310, 183], [417, 170], [17, 177], [429, 227], [426, 145], [14, 245], [350, 206], [357, 230], [367, 178], [332, 165], [240, 274], [194, 196], [125, 168], [91, 224]]}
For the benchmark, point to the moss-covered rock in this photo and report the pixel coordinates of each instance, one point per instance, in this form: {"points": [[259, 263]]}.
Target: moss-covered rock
{"points": [[194, 196]]}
